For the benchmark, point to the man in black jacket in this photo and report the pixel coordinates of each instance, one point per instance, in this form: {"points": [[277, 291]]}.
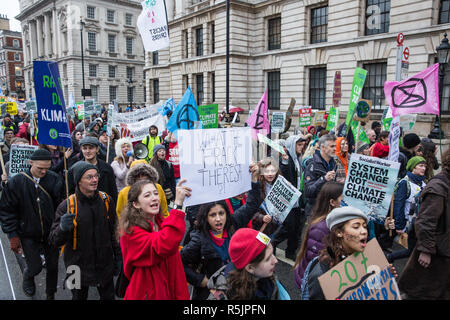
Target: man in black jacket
{"points": [[87, 232], [27, 210], [89, 152]]}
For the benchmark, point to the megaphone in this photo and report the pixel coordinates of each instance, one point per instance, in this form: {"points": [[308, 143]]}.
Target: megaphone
{"points": [[140, 151]]}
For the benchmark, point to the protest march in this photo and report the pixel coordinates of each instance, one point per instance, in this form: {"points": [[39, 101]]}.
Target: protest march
{"points": [[171, 201]]}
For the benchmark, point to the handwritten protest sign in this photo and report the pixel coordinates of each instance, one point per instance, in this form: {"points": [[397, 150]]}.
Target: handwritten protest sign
{"points": [[215, 163], [31, 106], [318, 118], [361, 276], [304, 117], [370, 184], [281, 199], [278, 121], [271, 143], [19, 158], [11, 108], [209, 116], [152, 25]]}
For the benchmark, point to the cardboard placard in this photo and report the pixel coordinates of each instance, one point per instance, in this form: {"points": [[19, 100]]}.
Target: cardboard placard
{"points": [[361, 276]]}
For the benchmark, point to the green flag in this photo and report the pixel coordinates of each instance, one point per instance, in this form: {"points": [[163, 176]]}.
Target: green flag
{"points": [[358, 83], [362, 134], [333, 118]]}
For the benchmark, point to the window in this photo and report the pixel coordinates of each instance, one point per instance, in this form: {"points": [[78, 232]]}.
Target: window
{"points": [[64, 70], [130, 94], [129, 43], [92, 70], [18, 71], [213, 38], [111, 43], [110, 16], [186, 43], [445, 104], [273, 93], [317, 88], [155, 90], [155, 58], [130, 72], [274, 33], [374, 85], [128, 19], [112, 93], [213, 86], [112, 71], [92, 41], [200, 94], [91, 12], [199, 42], [94, 92], [444, 12], [319, 23], [377, 16], [186, 81], [16, 43], [17, 56]]}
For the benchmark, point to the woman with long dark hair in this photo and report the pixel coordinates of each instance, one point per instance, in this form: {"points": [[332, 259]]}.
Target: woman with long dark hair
{"points": [[329, 197], [165, 171]]}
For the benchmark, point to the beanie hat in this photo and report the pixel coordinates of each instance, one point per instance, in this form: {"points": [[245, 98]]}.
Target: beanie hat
{"points": [[135, 162], [411, 140], [375, 124], [41, 154], [413, 162], [245, 245], [343, 214], [89, 140], [157, 147], [79, 168], [7, 129]]}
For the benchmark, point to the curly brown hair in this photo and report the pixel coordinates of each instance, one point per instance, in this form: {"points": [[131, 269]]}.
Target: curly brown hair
{"points": [[446, 161], [333, 252]]}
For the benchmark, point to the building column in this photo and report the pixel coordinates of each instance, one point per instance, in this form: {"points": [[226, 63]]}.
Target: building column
{"points": [[48, 35], [33, 39], [39, 30], [56, 33]]}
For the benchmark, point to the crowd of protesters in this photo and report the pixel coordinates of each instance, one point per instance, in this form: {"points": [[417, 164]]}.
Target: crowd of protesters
{"points": [[123, 216]]}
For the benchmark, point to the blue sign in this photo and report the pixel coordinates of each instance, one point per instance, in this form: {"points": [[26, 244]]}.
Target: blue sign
{"points": [[51, 108], [168, 105], [185, 116]]}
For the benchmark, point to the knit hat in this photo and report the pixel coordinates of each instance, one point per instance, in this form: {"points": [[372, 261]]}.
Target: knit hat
{"points": [[41, 154], [411, 140], [343, 214], [89, 140], [79, 168], [7, 129], [375, 124], [413, 162], [157, 147], [245, 245]]}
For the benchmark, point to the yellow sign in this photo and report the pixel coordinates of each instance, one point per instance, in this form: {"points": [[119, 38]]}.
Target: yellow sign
{"points": [[11, 108]]}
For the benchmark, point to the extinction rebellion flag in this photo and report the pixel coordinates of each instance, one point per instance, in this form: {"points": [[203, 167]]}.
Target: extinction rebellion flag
{"points": [[51, 108]]}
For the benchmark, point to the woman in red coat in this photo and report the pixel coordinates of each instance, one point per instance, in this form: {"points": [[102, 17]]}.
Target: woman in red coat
{"points": [[149, 243]]}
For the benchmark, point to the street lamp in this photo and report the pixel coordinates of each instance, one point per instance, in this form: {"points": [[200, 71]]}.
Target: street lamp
{"points": [[443, 53], [83, 91], [130, 94]]}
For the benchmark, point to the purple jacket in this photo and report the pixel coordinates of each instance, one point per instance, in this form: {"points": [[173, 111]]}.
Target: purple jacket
{"points": [[313, 246]]}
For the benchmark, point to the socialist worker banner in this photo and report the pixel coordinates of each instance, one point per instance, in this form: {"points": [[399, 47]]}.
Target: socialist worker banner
{"points": [[417, 94], [51, 108]]}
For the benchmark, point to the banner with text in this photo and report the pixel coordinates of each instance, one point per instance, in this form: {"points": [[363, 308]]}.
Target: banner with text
{"points": [[209, 116], [153, 26], [19, 158]]}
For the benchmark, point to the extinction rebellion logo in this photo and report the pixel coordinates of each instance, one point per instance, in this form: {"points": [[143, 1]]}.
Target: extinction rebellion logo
{"points": [[53, 133]]}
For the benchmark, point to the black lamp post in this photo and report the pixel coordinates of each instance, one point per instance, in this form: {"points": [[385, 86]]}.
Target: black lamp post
{"points": [[443, 53], [83, 91], [130, 94]]}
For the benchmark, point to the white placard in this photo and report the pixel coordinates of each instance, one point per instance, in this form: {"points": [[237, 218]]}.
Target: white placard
{"points": [[152, 25], [19, 158], [215, 163]]}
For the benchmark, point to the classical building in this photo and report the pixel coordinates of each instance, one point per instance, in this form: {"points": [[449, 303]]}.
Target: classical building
{"points": [[11, 61], [113, 54], [293, 49]]}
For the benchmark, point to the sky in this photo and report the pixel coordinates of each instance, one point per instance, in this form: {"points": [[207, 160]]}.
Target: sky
{"points": [[11, 9]]}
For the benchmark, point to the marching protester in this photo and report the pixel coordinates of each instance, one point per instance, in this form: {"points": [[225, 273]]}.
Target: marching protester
{"points": [[27, 211], [8, 123], [89, 153], [250, 274], [151, 140], [103, 147], [291, 169], [426, 275], [149, 243], [165, 171], [411, 143], [140, 170], [171, 145], [122, 161], [428, 150], [329, 197], [406, 195], [320, 169], [207, 250], [348, 234], [376, 127], [381, 148], [341, 158], [8, 134], [85, 225]]}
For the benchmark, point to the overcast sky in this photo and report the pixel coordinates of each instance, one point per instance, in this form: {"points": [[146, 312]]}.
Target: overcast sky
{"points": [[11, 9]]}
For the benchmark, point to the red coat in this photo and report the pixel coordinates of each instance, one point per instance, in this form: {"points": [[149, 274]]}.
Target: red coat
{"points": [[380, 151], [159, 272]]}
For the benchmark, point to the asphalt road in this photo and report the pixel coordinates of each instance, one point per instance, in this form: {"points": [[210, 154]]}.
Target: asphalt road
{"points": [[12, 265]]}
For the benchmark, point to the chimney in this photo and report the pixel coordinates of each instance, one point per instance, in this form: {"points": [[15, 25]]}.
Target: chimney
{"points": [[4, 22]]}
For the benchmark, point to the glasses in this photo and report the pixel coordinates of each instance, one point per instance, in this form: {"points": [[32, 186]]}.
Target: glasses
{"points": [[91, 177]]}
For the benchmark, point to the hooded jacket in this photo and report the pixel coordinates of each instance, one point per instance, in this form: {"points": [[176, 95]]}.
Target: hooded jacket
{"points": [[342, 160], [292, 169]]}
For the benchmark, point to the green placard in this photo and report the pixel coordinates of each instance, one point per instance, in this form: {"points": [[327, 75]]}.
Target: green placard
{"points": [[209, 115], [333, 118], [304, 117], [358, 83]]}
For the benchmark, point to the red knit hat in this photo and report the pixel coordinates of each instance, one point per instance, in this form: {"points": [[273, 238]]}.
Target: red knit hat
{"points": [[245, 245]]}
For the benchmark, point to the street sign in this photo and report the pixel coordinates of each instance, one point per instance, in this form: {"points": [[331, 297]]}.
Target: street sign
{"points": [[406, 53], [400, 38]]}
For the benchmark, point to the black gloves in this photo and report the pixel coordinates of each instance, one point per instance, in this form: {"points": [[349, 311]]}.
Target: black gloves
{"points": [[66, 223]]}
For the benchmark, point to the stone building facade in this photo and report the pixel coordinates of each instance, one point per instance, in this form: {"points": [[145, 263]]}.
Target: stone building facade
{"points": [[11, 61], [112, 47], [293, 49]]}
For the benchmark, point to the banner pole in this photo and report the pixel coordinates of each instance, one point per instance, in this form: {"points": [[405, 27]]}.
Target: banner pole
{"points": [[66, 180], [2, 163], [107, 151]]}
